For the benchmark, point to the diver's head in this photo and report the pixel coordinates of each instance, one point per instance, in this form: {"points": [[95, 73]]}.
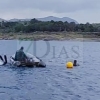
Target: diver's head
{"points": [[22, 48], [75, 63]]}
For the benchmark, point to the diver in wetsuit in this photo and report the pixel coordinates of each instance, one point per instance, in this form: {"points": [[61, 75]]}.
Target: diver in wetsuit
{"points": [[20, 55], [75, 63]]}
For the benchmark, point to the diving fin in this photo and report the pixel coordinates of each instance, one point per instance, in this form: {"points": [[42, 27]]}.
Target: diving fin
{"points": [[1, 58], [5, 58]]}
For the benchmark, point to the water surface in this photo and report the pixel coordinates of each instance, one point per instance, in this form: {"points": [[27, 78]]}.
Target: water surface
{"points": [[55, 82]]}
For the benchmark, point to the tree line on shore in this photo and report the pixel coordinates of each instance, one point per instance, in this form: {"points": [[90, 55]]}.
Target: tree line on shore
{"points": [[51, 26]]}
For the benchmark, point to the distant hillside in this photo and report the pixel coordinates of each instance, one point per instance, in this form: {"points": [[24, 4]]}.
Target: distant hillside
{"points": [[16, 20], [57, 19], [49, 18], [1, 20]]}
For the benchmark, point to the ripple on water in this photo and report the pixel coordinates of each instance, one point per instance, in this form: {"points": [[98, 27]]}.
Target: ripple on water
{"points": [[55, 82]]}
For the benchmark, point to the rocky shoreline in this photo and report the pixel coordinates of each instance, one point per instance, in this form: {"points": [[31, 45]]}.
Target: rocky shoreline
{"points": [[59, 36]]}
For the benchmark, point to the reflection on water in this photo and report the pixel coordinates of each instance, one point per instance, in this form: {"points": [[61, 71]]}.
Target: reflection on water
{"points": [[55, 82]]}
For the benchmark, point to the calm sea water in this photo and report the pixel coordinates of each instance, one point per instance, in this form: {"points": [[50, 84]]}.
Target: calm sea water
{"points": [[55, 82]]}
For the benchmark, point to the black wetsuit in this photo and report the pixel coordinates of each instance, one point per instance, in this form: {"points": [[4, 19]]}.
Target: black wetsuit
{"points": [[20, 56]]}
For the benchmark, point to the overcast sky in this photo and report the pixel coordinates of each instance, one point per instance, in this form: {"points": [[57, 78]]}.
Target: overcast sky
{"points": [[81, 10]]}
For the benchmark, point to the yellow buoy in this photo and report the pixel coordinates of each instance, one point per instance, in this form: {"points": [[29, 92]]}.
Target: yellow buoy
{"points": [[69, 65]]}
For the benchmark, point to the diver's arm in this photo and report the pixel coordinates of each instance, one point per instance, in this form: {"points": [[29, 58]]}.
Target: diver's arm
{"points": [[25, 55]]}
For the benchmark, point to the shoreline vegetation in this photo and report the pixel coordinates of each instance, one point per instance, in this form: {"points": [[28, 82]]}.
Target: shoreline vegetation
{"points": [[49, 36], [49, 30]]}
